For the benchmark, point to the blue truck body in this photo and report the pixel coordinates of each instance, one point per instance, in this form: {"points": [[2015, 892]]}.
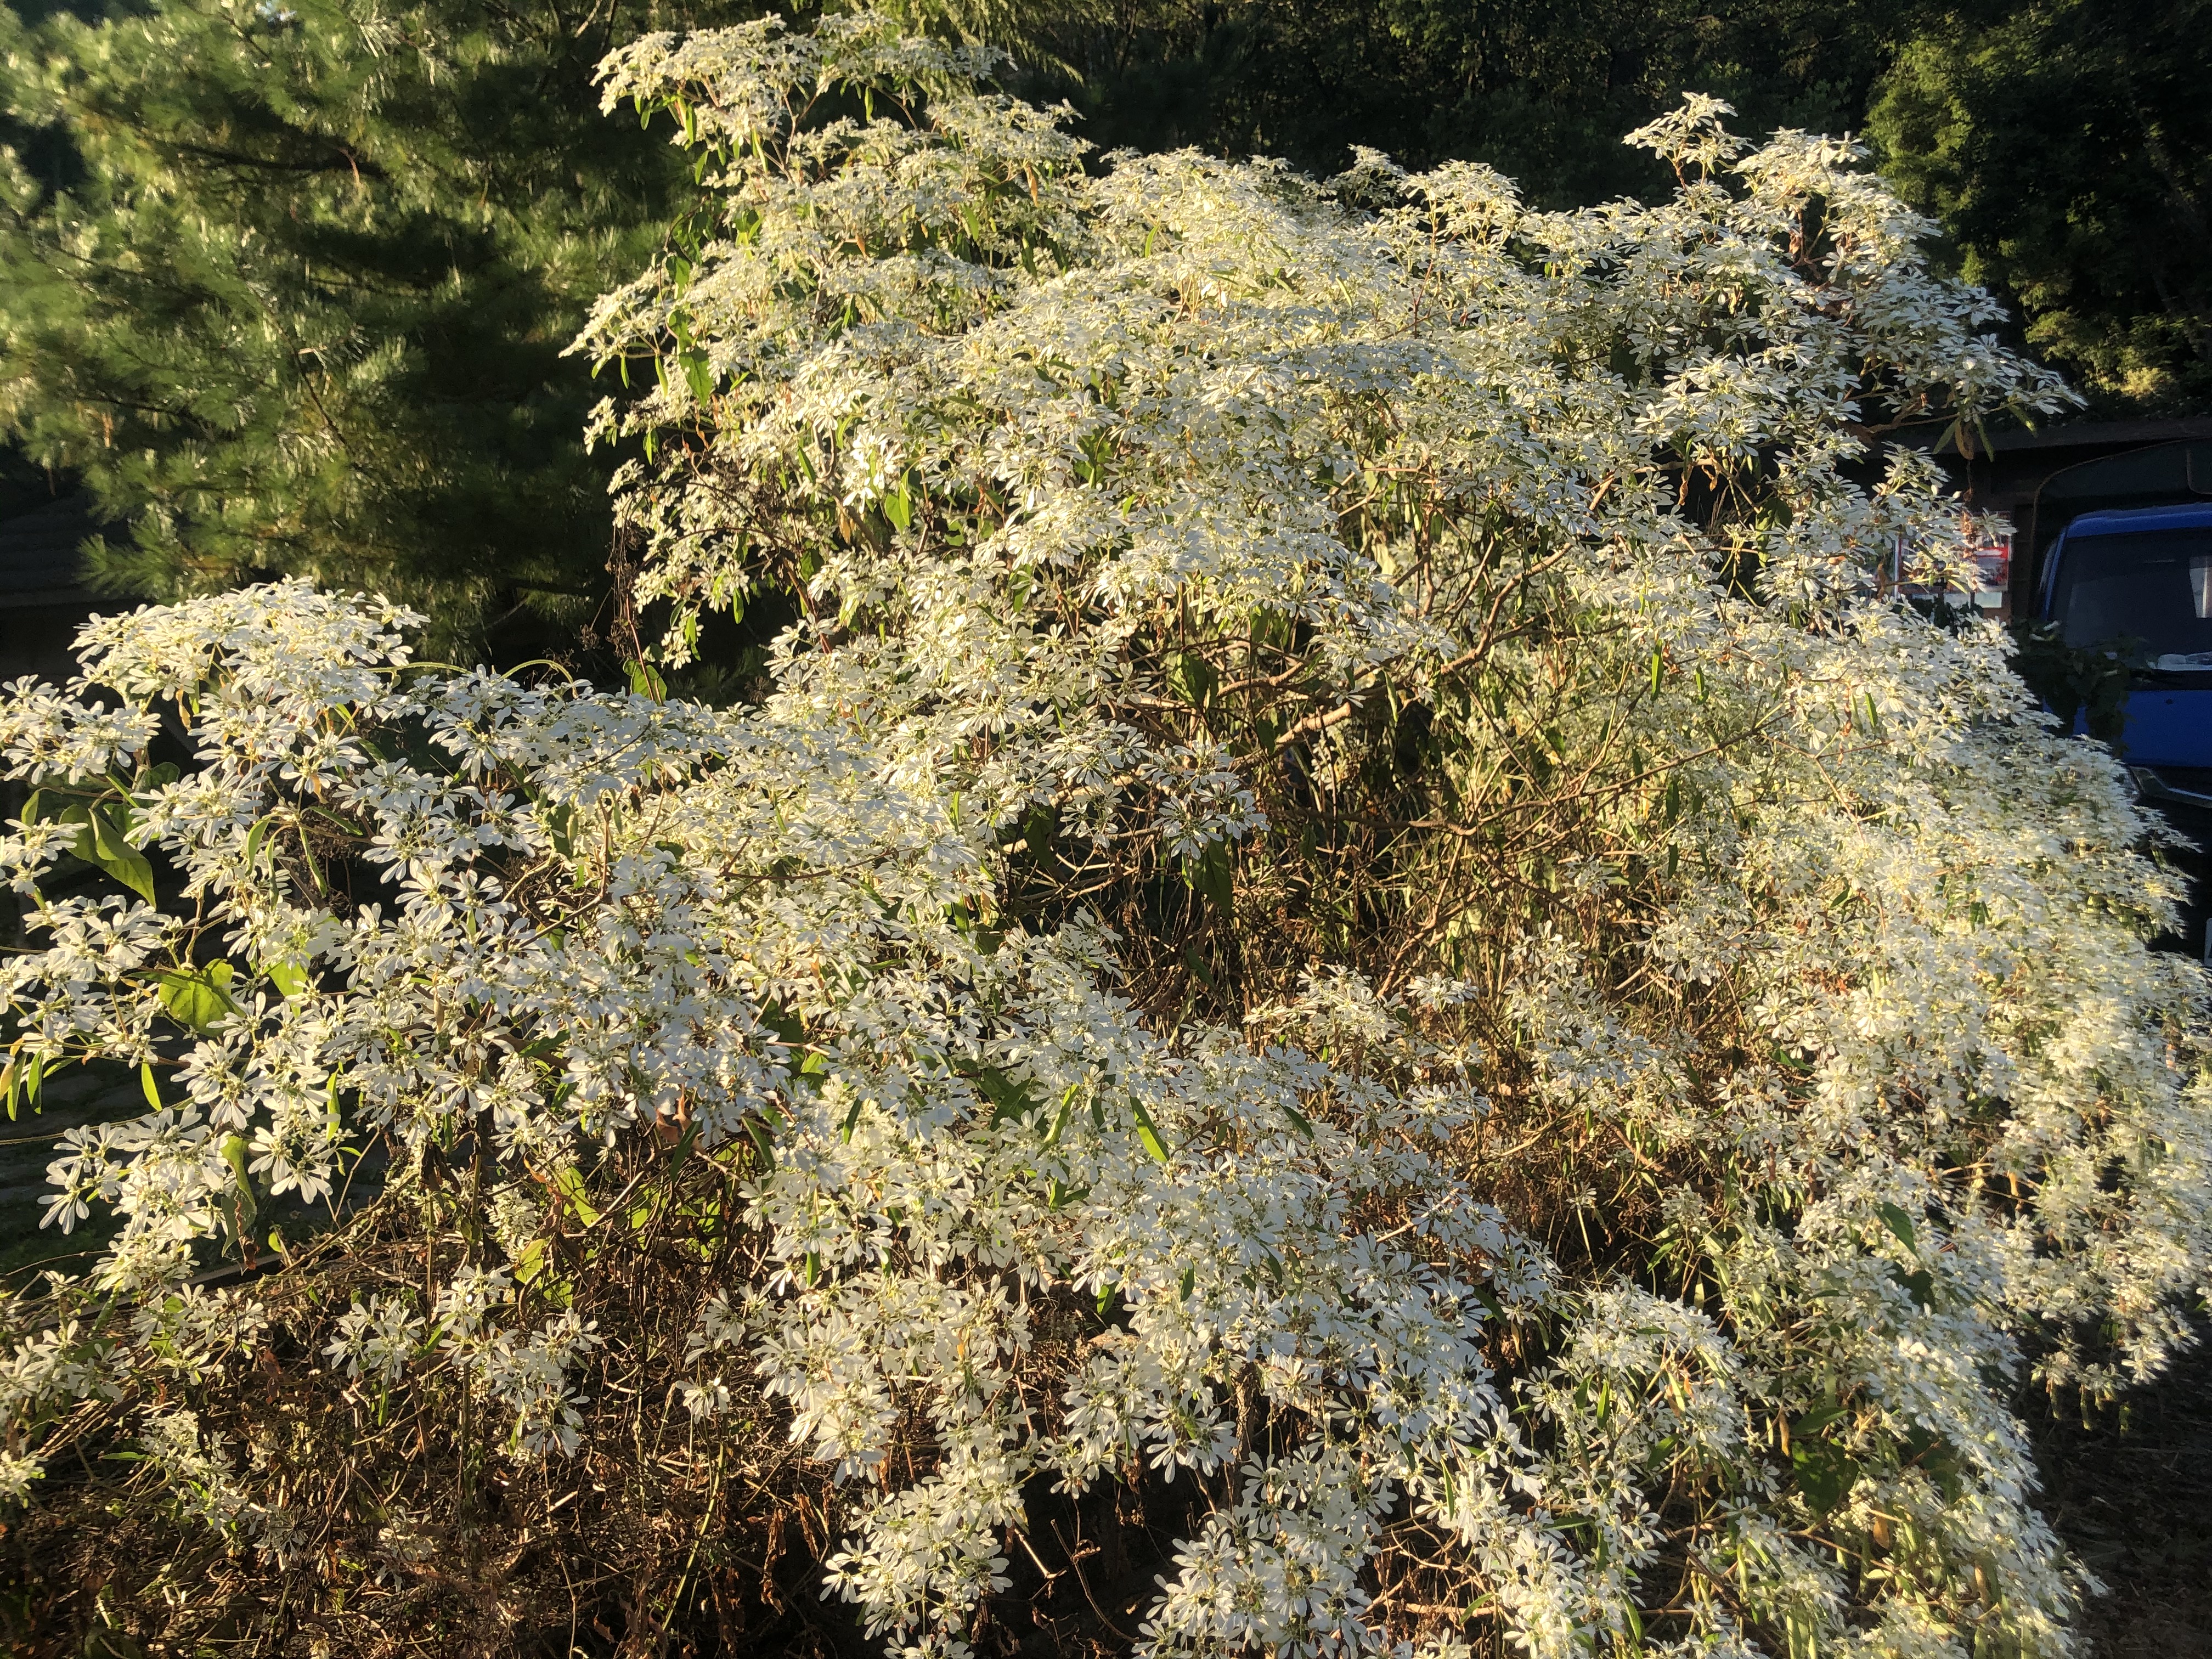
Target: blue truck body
{"points": [[2144, 575]]}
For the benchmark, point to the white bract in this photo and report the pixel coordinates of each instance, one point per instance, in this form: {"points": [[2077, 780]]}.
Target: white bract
{"points": [[1616, 1209]]}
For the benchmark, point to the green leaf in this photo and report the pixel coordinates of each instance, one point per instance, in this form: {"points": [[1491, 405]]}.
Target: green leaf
{"points": [[898, 508], [234, 1149], [531, 1262], [698, 374], [569, 1183], [1010, 1101], [288, 977], [146, 1082], [787, 1026], [1826, 1474], [682, 1150], [199, 1001], [1920, 1286], [645, 681], [100, 843], [1039, 826], [1059, 1122], [1900, 1224], [1148, 1135], [1190, 1283], [307, 857], [1817, 1419], [1212, 875], [1191, 678], [560, 825]]}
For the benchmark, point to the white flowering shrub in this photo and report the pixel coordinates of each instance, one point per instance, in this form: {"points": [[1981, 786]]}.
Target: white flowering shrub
{"points": [[1358, 985]]}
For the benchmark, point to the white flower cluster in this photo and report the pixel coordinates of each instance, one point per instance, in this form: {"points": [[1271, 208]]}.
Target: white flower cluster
{"points": [[1117, 505], [193, 1467]]}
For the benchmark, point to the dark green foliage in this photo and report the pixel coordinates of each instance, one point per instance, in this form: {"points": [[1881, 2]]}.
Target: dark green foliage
{"points": [[300, 302], [1544, 92], [2066, 145]]}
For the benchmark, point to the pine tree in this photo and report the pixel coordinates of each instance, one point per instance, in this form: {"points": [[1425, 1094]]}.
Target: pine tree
{"points": [[301, 300]]}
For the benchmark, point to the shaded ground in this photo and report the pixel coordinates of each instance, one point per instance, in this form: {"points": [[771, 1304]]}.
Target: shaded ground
{"points": [[2131, 1493]]}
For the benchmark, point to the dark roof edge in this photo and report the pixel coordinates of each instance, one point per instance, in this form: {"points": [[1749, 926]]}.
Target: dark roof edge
{"points": [[2093, 434]]}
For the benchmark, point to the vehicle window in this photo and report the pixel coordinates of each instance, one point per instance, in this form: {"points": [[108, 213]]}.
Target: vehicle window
{"points": [[2154, 587]]}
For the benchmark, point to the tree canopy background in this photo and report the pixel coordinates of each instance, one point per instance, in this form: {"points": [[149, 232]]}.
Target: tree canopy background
{"points": [[1541, 92], [2066, 148]]}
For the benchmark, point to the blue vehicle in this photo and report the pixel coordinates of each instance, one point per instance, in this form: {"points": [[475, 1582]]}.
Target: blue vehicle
{"points": [[2143, 576]]}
